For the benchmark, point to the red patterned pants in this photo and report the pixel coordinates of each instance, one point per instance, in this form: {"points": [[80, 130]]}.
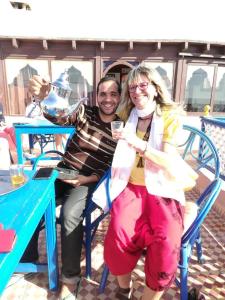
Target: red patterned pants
{"points": [[143, 221]]}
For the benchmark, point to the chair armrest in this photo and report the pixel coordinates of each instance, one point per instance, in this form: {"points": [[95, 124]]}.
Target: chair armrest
{"points": [[43, 156]]}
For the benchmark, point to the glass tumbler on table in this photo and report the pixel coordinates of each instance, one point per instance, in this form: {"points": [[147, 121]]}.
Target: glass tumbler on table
{"points": [[16, 174]]}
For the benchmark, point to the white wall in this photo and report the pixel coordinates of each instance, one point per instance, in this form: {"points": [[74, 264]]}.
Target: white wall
{"points": [[99, 19]]}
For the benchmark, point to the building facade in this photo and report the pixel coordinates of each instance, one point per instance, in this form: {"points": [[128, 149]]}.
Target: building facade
{"points": [[194, 72]]}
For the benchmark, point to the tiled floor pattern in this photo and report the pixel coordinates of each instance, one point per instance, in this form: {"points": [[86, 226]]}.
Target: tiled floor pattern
{"points": [[209, 277]]}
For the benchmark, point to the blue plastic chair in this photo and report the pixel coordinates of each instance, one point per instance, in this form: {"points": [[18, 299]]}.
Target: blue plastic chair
{"points": [[90, 225], [192, 235], [201, 152], [42, 139]]}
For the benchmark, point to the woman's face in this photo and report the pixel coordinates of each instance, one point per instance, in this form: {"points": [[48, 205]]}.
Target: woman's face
{"points": [[141, 91]]}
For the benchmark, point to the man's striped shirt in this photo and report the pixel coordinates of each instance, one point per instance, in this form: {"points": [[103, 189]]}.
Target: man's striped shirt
{"points": [[91, 148]]}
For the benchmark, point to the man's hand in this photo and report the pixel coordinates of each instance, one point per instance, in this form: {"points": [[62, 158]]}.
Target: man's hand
{"points": [[81, 180], [39, 87]]}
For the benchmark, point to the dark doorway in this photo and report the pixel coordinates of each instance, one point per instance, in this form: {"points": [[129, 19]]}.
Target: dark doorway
{"points": [[119, 72]]}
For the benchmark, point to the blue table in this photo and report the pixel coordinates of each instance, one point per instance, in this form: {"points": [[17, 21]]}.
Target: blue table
{"points": [[37, 127], [22, 211]]}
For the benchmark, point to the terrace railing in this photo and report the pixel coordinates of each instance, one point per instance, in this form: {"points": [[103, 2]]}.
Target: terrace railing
{"points": [[214, 127]]}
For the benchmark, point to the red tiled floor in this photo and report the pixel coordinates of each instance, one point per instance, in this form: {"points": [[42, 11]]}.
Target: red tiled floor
{"points": [[208, 277]]}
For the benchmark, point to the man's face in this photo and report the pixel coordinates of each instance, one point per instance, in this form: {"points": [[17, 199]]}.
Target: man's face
{"points": [[108, 98]]}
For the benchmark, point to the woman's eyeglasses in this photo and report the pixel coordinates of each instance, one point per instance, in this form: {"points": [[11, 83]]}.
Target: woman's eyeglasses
{"points": [[142, 86]]}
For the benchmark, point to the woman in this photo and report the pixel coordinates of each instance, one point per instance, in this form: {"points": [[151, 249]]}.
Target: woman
{"points": [[146, 186], [4, 154], [8, 133]]}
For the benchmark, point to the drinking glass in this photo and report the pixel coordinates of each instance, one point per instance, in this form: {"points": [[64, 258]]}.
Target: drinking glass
{"points": [[116, 127], [16, 174]]}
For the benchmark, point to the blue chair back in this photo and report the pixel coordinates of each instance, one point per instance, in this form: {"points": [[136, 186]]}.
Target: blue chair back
{"points": [[47, 155], [198, 149]]}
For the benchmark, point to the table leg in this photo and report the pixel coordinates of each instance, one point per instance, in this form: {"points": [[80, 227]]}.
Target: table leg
{"points": [[51, 243], [19, 147]]}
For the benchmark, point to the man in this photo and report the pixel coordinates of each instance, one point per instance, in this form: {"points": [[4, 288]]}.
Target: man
{"points": [[33, 110], [89, 153]]}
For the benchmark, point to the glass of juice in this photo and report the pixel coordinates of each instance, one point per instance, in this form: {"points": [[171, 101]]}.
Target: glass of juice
{"points": [[16, 174]]}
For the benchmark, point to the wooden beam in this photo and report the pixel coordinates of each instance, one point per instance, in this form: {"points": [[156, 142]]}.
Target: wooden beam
{"points": [[206, 48], [102, 46], [74, 45], [45, 44], [158, 46], [130, 46], [15, 43], [185, 46]]}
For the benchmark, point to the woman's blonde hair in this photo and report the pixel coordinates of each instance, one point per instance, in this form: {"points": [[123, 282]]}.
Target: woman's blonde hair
{"points": [[163, 98]]}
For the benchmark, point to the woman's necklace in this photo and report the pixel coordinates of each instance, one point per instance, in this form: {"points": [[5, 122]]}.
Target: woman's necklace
{"points": [[143, 123], [146, 127]]}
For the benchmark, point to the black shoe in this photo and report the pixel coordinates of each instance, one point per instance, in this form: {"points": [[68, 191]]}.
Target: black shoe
{"points": [[124, 294], [193, 294]]}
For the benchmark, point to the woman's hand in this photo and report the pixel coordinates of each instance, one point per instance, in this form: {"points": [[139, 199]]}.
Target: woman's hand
{"points": [[135, 142], [118, 135], [39, 87]]}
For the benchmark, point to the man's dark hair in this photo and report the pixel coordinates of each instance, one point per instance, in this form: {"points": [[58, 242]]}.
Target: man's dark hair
{"points": [[107, 78]]}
